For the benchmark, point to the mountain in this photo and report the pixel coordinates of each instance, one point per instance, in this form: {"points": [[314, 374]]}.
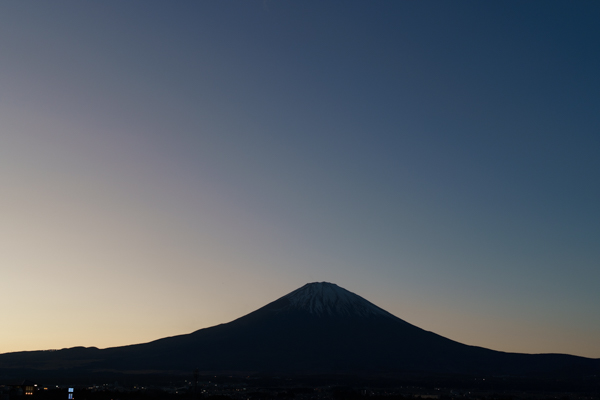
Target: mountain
{"points": [[319, 328]]}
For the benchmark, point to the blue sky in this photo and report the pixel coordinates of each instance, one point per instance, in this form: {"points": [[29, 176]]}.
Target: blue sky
{"points": [[168, 167]]}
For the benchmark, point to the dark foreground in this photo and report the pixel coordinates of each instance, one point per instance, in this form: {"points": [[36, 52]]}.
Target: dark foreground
{"points": [[165, 387]]}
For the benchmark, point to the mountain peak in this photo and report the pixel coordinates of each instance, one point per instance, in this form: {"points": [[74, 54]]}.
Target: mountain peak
{"points": [[324, 298]]}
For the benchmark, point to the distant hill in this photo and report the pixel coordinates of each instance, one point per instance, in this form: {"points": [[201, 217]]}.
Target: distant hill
{"points": [[319, 328]]}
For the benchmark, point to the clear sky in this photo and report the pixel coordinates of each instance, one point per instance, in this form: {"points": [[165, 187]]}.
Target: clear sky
{"points": [[169, 166]]}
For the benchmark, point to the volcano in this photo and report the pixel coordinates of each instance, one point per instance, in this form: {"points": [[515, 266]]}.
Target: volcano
{"points": [[319, 328]]}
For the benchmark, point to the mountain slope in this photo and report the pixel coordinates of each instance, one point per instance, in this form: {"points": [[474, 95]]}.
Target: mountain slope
{"points": [[318, 328]]}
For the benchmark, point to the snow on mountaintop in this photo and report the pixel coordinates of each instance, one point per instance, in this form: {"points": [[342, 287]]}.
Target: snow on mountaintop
{"points": [[324, 298]]}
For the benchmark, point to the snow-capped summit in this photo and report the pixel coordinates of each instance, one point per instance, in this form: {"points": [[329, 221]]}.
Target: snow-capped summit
{"points": [[324, 298]]}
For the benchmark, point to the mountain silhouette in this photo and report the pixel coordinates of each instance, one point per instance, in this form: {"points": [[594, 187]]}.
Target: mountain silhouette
{"points": [[319, 328]]}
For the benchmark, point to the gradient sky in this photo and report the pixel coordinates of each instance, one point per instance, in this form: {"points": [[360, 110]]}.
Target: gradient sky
{"points": [[169, 166]]}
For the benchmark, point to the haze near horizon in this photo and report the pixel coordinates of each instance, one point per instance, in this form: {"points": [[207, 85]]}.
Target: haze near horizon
{"points": [[169, 167]]}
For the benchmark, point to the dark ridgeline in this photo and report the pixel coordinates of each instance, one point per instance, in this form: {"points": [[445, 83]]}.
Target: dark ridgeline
{"points": [[319, 328]]}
